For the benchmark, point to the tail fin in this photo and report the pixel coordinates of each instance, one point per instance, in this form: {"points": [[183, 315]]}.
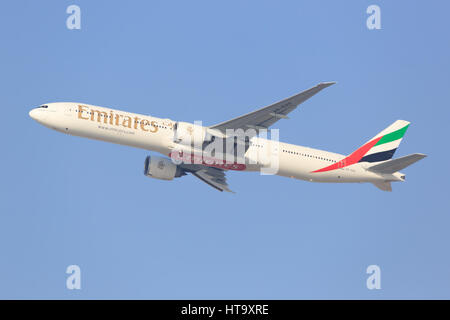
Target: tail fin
{"points": [[380, 148], [384, 144], [398, 164]]}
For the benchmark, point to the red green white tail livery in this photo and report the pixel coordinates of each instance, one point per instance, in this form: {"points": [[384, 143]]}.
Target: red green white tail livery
{"points": [[386, 142]]}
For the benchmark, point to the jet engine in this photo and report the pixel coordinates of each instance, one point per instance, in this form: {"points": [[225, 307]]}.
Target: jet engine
{"points": [[162, 168]]}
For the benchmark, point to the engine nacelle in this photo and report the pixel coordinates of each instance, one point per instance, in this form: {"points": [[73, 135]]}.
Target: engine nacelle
{"points": [[161, 168]]}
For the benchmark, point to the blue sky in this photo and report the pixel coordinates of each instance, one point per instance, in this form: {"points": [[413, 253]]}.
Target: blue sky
{"points": [[67, 200]]}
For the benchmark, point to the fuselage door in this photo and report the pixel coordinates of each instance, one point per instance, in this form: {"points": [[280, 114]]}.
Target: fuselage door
{"points": [[69, 110]]}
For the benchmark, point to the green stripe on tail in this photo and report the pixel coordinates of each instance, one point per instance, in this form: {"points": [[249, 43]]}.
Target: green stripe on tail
{"points": [[393, 135]]}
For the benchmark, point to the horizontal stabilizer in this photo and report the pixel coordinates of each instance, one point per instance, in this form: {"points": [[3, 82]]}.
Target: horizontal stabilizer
{"points": [[398, 164]]}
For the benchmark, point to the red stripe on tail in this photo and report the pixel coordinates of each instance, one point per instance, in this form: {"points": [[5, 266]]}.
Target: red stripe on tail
{"points": [[353, 158]]}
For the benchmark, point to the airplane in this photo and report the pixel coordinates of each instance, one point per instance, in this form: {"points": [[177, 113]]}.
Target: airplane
{"points": [[370, 163]]}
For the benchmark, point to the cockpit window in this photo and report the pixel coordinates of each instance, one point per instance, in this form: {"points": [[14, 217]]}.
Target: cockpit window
{"points": [[43, 106]]}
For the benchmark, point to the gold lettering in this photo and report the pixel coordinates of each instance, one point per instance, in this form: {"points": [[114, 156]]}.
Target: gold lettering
{"points": [[136, 121], [118, 118], [126, 121], [155, 128], [114, 119], [111, 117], [143, 124], [99, 116], [80, 112]]}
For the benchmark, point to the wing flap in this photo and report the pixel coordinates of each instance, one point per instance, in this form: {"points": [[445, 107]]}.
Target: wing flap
{"points": [[383, 185], [214, 177]]}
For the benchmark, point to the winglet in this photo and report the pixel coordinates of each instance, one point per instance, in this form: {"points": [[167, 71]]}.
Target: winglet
{"points": [[330, 83]]}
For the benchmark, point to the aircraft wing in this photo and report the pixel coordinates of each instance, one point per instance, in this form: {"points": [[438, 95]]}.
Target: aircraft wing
{"points": [[213, 176], [267, 116]]}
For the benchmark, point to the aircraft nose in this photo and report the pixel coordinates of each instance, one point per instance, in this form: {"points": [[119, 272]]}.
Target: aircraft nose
{"points": [[33, 114], [38, 114]]}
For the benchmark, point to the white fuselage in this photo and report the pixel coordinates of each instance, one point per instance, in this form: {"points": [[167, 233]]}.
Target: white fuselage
{"points": [[156, 134]]}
